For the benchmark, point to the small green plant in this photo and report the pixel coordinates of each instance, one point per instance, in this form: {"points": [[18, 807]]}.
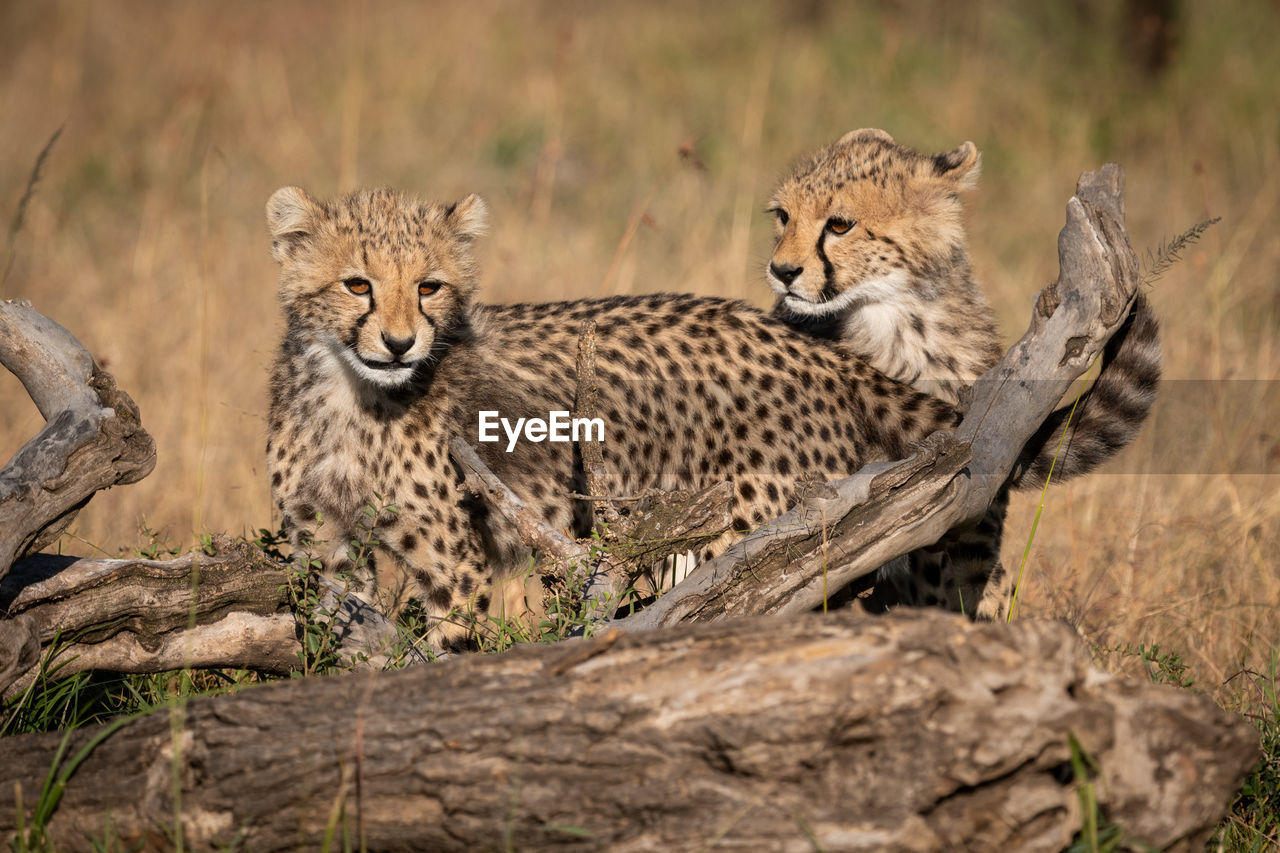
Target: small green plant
{"points": [[412, 627], [570, 611], [318, 648], [158, 545], [308, 598], [1254, 822], [1162, 667], [360, 550]]}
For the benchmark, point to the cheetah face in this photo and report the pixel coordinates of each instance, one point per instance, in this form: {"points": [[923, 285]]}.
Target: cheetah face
{"points": [[862, 221], [375, 279]]}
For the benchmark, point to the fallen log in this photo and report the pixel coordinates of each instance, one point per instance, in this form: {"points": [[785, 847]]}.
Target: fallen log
{"points": [[134, 615], [906, 732], [231, 608]]}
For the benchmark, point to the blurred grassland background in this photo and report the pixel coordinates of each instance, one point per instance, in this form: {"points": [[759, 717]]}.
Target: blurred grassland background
{"points": [[631, 148]]}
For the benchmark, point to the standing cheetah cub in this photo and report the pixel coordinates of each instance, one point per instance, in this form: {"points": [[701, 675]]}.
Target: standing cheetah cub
{"points": [[387, 355], [871, 252]]}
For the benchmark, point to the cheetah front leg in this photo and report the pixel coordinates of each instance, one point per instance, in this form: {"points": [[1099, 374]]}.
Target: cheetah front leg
{"points": [[331, 551], [438, 561]]}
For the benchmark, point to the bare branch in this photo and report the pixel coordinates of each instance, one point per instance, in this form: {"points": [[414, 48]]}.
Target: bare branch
{"points": [[530, 527], [93, 438]]}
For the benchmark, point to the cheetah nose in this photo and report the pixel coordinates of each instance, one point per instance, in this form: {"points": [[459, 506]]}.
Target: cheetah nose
{"points": [[397, 346], [785, 273]]}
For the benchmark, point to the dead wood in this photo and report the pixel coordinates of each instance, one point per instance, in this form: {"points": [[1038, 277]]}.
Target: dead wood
{"points": [[231, 608], [889, 509], [906, 732], [19, 649], [92, 438], [528, 524], [664, 523]]}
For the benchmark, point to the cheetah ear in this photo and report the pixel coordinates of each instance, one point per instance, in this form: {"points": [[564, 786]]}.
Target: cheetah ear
{"points": [[866, 134], [469, 217], [292, 217], [960, 166]]}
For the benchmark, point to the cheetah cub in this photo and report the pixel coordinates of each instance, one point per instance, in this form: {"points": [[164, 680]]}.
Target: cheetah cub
{"points": [[871, 252], [374, 295], [387, 355]]}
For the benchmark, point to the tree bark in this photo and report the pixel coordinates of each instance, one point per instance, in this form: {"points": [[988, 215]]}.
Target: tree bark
{"points": [[230, 609], [912, 731], [135, 615], [92, 440]]}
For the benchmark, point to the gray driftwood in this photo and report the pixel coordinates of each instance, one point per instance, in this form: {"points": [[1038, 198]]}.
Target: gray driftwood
{"points": [[230, 609], [135, 615], [889, 509], [92, 438], [916, 731]]}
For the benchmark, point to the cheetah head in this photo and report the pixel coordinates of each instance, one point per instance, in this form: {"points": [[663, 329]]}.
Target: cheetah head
{"points": [[864, 220], [376, 278]]}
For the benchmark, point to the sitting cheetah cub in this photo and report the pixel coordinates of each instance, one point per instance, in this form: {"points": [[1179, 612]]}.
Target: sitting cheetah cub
{"points": [[871, 252], [387, 355]]}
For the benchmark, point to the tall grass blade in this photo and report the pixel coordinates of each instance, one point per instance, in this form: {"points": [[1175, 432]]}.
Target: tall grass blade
{"points": [[20, 215], [1035, 523]]}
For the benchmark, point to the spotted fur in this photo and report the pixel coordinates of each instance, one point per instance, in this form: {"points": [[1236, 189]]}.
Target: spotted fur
{"points": [[371, 383]]}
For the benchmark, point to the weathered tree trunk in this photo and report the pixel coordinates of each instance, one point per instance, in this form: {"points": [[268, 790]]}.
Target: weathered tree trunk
{"points": [[907, 732], [135, 615], [92, 439]]}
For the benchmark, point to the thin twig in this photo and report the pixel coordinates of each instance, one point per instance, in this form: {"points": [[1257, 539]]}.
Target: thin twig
{"points": [[578, 496]]}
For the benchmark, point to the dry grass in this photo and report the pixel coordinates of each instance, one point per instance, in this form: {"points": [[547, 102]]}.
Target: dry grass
{"points": [[146, 239]]}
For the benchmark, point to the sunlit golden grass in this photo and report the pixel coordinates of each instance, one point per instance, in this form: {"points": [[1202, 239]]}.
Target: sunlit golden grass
{"points": [[146, 237]]}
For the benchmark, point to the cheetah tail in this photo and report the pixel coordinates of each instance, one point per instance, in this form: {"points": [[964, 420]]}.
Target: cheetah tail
{"points": [[1109, 413]]}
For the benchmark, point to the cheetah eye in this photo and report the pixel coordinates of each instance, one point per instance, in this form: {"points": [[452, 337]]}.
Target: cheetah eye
{"points": [[358, 286], [783, 218], [838, 226], [427, 288]]}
